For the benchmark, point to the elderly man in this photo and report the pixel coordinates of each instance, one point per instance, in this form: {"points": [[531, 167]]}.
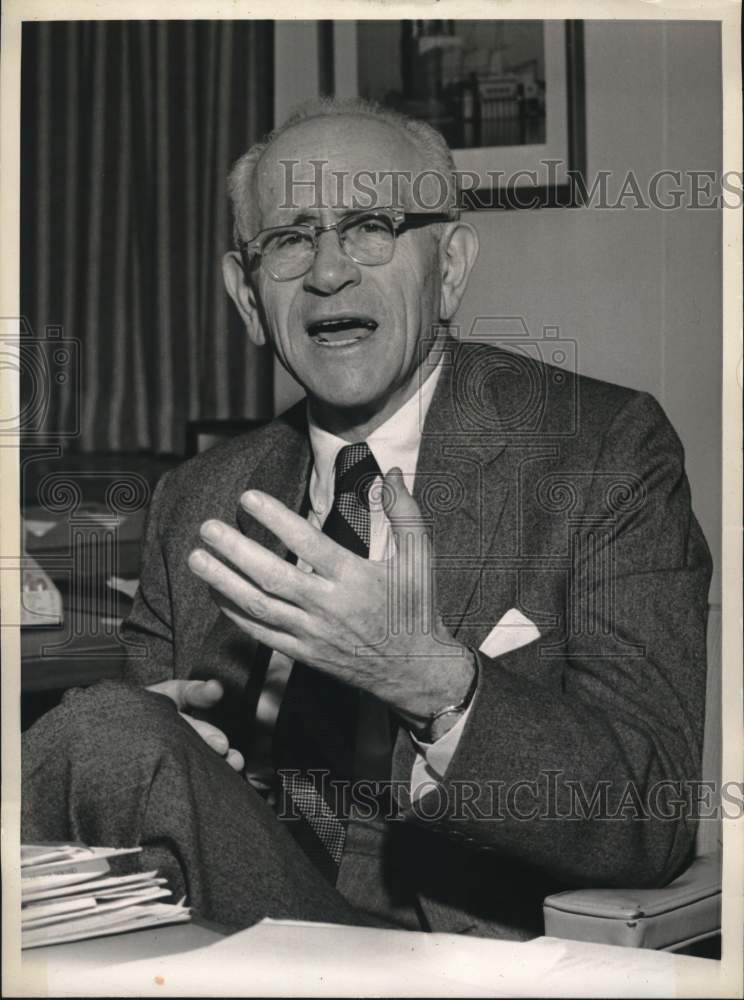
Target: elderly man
{"points": [[435, 635]]}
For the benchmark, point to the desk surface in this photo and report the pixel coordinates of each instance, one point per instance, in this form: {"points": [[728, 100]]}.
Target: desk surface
{"points": [[298, 959]]}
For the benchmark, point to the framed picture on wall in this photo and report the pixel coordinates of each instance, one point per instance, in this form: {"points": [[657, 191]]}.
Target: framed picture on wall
{"points": [[508, 96]]}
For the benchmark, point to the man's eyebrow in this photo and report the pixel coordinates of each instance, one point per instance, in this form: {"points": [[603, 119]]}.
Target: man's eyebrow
{"points": [[304, 216], [312, 217]]}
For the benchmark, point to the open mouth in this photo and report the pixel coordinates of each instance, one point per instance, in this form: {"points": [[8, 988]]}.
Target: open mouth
{"points": [[342, 331]]}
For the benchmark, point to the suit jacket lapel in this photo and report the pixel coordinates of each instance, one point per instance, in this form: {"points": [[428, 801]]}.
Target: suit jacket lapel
{"points": [[463, 481], [228, 653], [283, 472], [463, 486]]}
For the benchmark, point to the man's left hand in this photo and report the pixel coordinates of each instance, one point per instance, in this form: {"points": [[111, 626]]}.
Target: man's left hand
{"points": [[373, 625]]}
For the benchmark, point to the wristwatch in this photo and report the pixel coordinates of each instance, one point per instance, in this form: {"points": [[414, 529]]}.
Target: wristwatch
{"points": [[434, 727]]}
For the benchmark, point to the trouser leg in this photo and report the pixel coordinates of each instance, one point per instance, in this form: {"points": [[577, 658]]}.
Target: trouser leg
{"points": [[115, 765]]}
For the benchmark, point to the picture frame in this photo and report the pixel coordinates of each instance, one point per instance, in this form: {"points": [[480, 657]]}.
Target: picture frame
{"points": [[540, 169]]}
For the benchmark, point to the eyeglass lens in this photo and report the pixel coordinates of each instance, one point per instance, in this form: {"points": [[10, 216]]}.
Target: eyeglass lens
{"points": [[367, 239]]}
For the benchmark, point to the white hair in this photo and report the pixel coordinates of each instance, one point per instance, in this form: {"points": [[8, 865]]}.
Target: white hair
{"points": [[241, 182]]}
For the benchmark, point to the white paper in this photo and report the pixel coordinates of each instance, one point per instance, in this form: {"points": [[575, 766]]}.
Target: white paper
{"points": [[116, 881], [76, 856], [141, 916], [93, 909]]}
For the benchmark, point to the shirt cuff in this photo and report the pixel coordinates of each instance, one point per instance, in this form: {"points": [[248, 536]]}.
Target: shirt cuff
{"points": [[433, 759]]}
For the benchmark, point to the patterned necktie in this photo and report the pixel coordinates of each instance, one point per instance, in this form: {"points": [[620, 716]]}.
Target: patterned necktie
{"points": [[316, 729]]}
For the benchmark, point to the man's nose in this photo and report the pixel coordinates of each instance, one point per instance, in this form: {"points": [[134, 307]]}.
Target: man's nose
{"points": [[332, 268]]}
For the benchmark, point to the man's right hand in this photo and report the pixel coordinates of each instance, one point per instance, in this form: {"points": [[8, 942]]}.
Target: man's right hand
{"points": [[200, 694]]}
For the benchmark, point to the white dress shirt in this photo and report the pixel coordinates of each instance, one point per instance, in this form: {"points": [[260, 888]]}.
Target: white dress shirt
{"points": [[394, 443]]}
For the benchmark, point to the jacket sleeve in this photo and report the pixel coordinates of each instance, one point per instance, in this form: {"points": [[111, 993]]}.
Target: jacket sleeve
{"points": [[148, 630], [584, 777]]}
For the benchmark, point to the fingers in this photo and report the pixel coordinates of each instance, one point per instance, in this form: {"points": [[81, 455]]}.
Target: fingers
{"points": [[190, 694], [408, 526], [275, 639], [235, 759], [211, 735], [274, 575], [412, 594], [217, 740], [244, 595], [300, 537], [201, 694]]}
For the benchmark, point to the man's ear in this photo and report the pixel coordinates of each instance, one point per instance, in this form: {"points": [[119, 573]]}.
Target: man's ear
{"points": [[459, 249], [243, 295]]}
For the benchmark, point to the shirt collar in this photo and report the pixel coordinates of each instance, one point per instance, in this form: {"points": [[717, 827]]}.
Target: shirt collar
{"points": [[394, 443]]}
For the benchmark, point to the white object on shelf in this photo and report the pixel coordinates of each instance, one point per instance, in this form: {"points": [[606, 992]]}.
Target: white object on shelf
{"points": [[41, 602]]}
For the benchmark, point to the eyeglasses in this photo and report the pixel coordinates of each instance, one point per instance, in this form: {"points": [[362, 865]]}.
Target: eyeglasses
{"points": [[367, 237]]}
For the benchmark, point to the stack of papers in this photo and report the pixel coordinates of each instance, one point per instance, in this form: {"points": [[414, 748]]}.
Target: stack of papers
{"points": [[68, 893]]}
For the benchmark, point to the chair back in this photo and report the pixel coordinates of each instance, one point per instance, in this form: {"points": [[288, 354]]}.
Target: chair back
{"points": [[710, 830]]}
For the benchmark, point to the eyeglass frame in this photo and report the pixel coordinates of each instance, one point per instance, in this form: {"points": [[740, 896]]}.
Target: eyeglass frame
{"points": [[397, 217]]}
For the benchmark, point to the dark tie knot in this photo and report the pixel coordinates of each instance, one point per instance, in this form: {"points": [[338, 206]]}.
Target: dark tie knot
{"points": [[356, 470]]}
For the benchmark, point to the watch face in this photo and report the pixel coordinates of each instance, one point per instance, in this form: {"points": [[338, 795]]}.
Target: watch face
{"points": [[441, 724]]}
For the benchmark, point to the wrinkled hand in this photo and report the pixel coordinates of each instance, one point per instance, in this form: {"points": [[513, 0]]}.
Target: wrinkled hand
{"points": [[373, 625], [200, 694]]}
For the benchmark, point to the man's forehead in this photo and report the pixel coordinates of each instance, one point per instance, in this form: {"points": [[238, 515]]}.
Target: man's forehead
{"points": [[325, 161]]}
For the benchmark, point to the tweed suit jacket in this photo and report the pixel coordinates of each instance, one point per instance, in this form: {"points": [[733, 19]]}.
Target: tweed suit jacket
{"points": [[561, 496]]}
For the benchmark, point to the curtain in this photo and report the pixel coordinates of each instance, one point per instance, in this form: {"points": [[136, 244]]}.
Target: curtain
{"points": [[128, 132]]}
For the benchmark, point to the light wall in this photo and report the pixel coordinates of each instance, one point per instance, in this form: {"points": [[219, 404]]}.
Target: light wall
{"points": [[637, 290]]}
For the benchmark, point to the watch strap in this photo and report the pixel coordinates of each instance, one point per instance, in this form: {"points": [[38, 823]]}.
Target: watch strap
{"points": [[428, 732]]}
